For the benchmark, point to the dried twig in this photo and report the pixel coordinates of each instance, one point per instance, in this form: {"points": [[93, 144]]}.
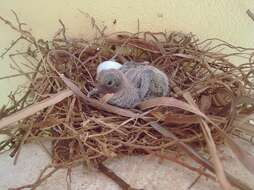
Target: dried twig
{"points": [[250, 14], [108, 172], [39, 180]]}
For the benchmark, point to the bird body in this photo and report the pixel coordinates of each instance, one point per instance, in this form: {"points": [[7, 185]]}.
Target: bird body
{"points": [[131, 84], [150, 81], [127, 97], [114, 81]]}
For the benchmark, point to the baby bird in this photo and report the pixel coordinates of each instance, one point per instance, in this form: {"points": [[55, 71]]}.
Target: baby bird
{"points": [[150, 81], [131, 83], [114, 81]]}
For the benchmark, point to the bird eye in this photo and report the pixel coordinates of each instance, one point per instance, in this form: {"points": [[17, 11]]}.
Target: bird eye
{"points": [[109, 83]]}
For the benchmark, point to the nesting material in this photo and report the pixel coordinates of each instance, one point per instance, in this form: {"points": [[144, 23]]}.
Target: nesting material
{"points": [[210, 94]]}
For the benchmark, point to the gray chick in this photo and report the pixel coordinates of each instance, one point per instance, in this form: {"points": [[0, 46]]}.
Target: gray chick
{"points": [[131, 84], [114, 81], [150, 81]]}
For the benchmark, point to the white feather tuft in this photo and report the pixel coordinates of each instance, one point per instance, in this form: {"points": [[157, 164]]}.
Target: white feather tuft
{"points": [[108, 65]]}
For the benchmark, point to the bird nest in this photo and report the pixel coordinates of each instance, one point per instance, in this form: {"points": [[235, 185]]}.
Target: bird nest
{"points": [[210, 91]]}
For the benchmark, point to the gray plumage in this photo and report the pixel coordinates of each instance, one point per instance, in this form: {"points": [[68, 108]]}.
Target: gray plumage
{"points": [[114, 81], [131, 84], [150, 81]]}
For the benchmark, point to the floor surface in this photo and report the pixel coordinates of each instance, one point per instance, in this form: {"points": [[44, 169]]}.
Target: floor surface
{"points": [[139, 171]]}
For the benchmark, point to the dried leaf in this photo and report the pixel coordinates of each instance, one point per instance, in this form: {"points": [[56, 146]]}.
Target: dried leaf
{"points": [[106, 98], [26, 112], [239, 152], [49, 122], [158, 115], [171, 102], [196, 157], [215, 158], [181, 119]]}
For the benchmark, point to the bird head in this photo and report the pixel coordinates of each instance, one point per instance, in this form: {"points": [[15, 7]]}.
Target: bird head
{"points": [[108, 81]]}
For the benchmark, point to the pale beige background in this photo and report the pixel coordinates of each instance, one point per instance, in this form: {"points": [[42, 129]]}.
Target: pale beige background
{"points": [[225, 19]]}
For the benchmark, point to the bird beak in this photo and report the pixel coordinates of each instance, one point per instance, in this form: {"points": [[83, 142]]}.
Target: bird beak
{"points": [[96, 91], [93, 92]]}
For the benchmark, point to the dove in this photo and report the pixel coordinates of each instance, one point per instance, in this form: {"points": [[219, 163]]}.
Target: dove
{"points": [[130, 84], [150, 81], [113, 81]]}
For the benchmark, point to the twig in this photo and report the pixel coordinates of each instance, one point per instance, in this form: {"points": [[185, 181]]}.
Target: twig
{"points": [[16, 75], [197, 178], [21, 144], [11, 46], [24, 34], [108, 172], [68, 178], [194, 182], [168, 157], [218, 168], [39, 180], [63, 30], [34, 108], [250, 14], [198, 158], [93, 23]]}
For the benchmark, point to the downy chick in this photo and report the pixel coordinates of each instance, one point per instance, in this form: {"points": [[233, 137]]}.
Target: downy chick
{"points": [[114, 81], [150, 81]]}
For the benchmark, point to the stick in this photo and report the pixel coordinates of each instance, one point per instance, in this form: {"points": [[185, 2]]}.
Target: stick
{"points": [[199, 159], [26, 112], [109, 173], [250, 14]]}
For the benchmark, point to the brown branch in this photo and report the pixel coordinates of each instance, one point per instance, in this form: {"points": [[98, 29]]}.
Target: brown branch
{"points": [[198, 158], [11, 46], [250, 14], [108, 172], [39, 180]]}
